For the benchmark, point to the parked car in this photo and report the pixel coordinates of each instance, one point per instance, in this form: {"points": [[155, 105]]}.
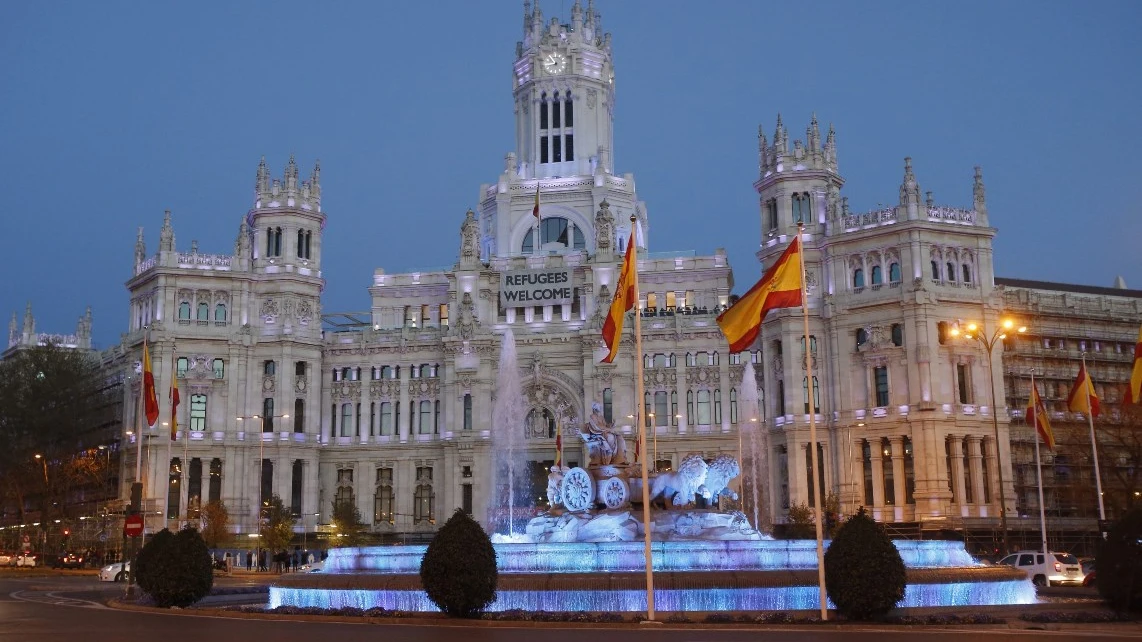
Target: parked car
{"points": [[117, 572], [28, 560], [7, 559], [1062, 568], [68, 560], [1087, 564]]}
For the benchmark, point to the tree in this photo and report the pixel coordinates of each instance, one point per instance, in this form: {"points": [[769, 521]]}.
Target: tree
{"points": [[347, 521], [458, 570], [215, 524], [1119, 563], [175, 569], [56, 403], [864, 573], [277, 525]]}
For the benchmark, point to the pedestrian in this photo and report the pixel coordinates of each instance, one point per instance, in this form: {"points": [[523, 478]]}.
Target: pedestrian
{"points": [[262, 560], [249, 561]]}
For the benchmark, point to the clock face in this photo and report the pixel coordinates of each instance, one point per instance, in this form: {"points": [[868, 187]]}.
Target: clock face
{"points": [[555, 63]]}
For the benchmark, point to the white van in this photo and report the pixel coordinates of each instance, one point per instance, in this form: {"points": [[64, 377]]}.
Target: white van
{"points": [[1063, 568]]}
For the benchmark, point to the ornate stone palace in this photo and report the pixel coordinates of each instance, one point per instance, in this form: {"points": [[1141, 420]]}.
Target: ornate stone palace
{"points": [[390, 409]]}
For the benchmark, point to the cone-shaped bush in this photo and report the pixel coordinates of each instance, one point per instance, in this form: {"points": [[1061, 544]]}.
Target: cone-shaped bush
{"points": [[459, 568], [864, 574], [1118, 564], [175, 569]]}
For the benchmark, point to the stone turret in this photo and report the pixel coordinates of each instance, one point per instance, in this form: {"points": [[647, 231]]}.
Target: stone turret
{"points": [[289, 191]]}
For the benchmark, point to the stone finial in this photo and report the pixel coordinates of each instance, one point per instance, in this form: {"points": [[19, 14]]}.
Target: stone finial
{"points": [[813, 135], [262, 182], [194, 246], [469, 239], [315, 181], [929, 201], [29, 321], [831, 148], [291, 175], [83, 329], [979, 192], [140, 247], [762, 150], [909, 188], [166, 234], [13, 332], [1119, 284]]}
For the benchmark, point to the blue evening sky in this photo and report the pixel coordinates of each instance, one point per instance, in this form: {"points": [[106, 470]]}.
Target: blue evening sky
{"points": [[113, 111]]}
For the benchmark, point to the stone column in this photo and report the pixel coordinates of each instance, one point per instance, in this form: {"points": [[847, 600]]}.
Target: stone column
{"points": [[856, 484], [975, 461], [368, 415], [958, 488], [876, 460], [401, 427], [898, 481], [680, 389], [992, 464]]}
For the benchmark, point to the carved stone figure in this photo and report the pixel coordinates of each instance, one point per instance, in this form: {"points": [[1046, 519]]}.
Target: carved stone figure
{"points": [[833, 202], [605, 447], [604, 228], [679, 487], [467, 325], [718, 476], [469, 238]]}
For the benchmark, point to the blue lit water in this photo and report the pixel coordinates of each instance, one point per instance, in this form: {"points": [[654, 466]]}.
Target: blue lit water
{"points": [[627, 557]]}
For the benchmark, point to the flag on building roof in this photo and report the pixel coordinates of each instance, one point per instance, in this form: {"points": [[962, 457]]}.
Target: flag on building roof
{"points": [[1083, 398], [621, 303], [174, 400], [150, 400], [535, 210], [779, 287], [1134, 389], [1037, 416]]}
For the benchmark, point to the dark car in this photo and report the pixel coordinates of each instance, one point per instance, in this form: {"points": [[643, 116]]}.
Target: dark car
{"points": [[68, 560]]}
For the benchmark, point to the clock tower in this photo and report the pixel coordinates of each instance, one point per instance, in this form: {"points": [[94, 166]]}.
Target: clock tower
{"points": [[563, 81]]}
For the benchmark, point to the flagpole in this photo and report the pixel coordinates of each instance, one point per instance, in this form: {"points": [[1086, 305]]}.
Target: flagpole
{"points": [[1039, 467], [638, 414], [1093, 443], [812, 389]]}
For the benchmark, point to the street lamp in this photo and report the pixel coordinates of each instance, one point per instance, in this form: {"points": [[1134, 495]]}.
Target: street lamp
{"points": [[978, 332]]}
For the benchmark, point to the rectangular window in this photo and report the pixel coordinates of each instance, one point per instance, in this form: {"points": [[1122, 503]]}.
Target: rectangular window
{"points": [[215, 490], [383, 499], [467, 411], [219, 368], [866, 454], [346, 419], [543, 115], [962, 382], [880, 374], [295, 487], [268, 414], [299, 368], [181, 366], [543, 149], [608, 405], [909, 473], [887, 474], [386, 418], [267, 490], [466, 498], [173, 488], [820, 470], [704, 415], [673, 408], [299, 415], [717, 406], [269, 368], [556, 149], [555, 114], [661, 408], [198, 413], [194, 489], [733, 405], [570, 146], [969, 478], [425, 424], [443, 314], [780, 397]]}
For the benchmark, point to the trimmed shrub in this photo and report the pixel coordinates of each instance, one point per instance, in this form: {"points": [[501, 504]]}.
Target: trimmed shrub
{"points": [[458, 571], [864, 574], [1118, 564], [175, 569]]}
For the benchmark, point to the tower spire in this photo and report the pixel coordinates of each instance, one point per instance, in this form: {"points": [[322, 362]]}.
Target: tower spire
{"points": [[13, 332], [762, 149], [831, 149], [979, 197], [140, 247], [166, 234]]}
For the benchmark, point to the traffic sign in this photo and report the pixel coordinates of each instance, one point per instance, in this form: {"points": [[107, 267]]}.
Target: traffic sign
{"points": [[133, 526]]}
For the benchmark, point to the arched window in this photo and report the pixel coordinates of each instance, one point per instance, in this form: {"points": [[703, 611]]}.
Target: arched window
{"points": [[894, 275], [816, 394], [935, 270], [717, 406], [801, 208], [557, 229], [383, 499], [951, 272], [897, 334], [301, 244], [674, 408], [203, 311], [733, 405], [269, 368], [344, 498], [704, 415], [967, 273], [220, 312], [877, 275], [568, 115], [346, 419], [543, 111], [858, 278], [861, 337], [423, 502], [690, 405], [184, 311]]}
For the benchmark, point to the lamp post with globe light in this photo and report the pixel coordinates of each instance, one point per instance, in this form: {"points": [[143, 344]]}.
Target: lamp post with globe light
{"points": [[978, 332]]}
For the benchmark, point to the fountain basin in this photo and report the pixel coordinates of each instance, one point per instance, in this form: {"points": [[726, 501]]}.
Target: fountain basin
{"points": [[610, 577]]}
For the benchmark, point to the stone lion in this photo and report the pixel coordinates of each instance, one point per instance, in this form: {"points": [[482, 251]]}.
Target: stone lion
{"points": [[679, 486], [720, 471]]}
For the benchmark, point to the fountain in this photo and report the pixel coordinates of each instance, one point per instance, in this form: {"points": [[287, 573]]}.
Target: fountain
{"points": [[586, 552], [757, 445], [508, 412]]}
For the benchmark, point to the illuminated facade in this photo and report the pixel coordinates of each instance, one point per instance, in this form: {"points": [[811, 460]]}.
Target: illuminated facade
{"points": [[390, 409]]}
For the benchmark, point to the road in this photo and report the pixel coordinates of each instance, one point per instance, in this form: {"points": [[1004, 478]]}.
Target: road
{"points": [[72, 608]]}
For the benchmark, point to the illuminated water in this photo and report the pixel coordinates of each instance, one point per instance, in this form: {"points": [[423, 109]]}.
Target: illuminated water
{"points": [[757, 467], [508, 415], [626, 557]]}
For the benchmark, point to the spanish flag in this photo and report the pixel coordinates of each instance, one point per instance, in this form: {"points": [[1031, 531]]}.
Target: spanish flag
{"points": [[1083, 398], [1037, 416], [780, 287], [150, 400], [1134, 389], [174, 401], [535, 210], [623, 301], [559, 450]]}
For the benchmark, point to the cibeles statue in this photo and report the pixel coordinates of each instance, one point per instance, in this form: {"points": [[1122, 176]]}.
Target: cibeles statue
{"points": [[605, 447]]}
